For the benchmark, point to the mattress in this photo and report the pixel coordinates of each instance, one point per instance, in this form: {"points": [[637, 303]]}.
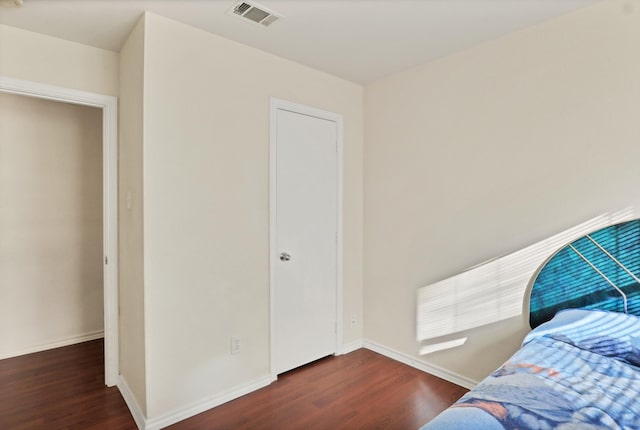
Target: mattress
{"points": [[577, 371]]}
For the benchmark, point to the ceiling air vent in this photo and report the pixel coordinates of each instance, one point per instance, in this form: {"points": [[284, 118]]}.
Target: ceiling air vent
{"points": [[254, 13]]}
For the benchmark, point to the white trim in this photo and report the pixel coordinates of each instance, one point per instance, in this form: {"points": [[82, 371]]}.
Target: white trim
{"points": [[99, 334], [276, 104], [132, 404], [273, 137], [352, 346], [340, 238], [445, 374], [198, 407], [109, 106]]}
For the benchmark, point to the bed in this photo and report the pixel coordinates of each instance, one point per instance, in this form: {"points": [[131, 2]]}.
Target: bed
{"points": [[579, 368]]}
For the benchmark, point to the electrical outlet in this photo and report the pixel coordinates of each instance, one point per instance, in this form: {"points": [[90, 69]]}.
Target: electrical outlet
{"points": [[235, 344], [353, 321]]}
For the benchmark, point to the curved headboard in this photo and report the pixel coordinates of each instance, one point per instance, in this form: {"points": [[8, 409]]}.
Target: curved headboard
{"points": [[600, 270]]}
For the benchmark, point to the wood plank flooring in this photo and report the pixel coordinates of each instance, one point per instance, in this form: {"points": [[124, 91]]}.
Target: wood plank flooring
{"points": [[360, 390], [61, 388], [64, 389]]}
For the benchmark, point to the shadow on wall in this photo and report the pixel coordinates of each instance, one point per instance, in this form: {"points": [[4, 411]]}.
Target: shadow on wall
{"points": [[90, 194]]}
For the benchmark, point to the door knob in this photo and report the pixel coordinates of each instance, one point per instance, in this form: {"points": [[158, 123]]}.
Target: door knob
{"points": [[284, 256]]}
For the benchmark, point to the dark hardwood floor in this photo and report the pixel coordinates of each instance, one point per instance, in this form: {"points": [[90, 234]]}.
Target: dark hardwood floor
{"points": [[64, 389], [61, 388], [360, 390]]}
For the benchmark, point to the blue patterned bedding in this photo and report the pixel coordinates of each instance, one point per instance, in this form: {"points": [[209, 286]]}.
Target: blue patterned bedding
{"points": [[577, 371]]}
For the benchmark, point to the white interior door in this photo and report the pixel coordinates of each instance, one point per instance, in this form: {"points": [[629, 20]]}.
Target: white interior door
{"points": [[305, 264]]}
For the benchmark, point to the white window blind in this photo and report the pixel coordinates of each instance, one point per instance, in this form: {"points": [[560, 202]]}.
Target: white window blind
{"points": [[493, 291]]}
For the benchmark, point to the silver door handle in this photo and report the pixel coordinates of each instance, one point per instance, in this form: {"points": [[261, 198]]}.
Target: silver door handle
{"points": [[285, 257]]}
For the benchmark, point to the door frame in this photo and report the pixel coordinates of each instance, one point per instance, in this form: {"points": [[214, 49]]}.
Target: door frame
{"points": [[109, 106], [275, 105]]}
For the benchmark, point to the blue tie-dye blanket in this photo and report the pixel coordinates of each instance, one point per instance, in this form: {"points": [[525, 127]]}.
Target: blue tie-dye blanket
{"points": [[578, 371]]}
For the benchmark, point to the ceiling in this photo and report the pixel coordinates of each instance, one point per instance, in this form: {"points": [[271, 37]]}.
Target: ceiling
{"points": [[358, 40]]}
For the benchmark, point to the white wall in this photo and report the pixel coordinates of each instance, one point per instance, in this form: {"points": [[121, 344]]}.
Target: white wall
{"points": [[489, 150], [50, 224], [206, 206], [36, 57], [130, 240]]}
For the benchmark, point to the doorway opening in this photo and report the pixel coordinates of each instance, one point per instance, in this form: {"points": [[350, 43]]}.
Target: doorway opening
{"points": [[104, 260]]}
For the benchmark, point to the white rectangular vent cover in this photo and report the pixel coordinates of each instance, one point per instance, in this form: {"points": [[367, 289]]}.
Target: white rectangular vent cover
{"points": [[254, 13]]}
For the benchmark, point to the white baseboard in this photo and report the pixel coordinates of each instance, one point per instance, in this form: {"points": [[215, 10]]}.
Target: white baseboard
{"points": [[203, 405], [352, 346], [188, 411], [447, 375], [132, 404], [55, 344]]}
